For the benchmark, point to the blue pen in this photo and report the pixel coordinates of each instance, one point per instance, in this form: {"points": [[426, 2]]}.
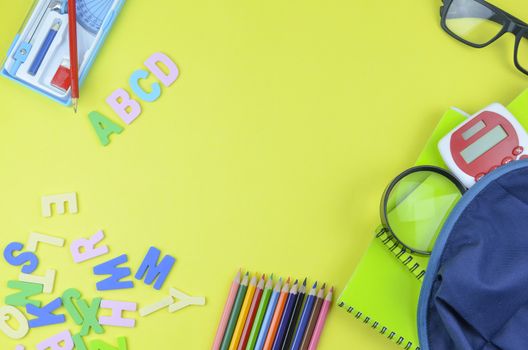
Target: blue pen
{"points": [[42, 52], [268, 316], [305, 317]]}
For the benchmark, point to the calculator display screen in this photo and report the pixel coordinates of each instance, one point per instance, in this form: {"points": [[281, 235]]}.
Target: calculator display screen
{"points": [[484, 144]]}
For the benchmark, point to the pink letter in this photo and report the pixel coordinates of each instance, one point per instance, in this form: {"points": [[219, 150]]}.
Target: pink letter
{"points": [[88, 248], [54, 343], [152, 65], [117, 318], [127, 108]]}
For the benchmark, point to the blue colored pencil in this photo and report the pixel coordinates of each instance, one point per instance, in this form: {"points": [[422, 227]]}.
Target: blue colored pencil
{"points": [[286, 316], [305, 318], [269, 315], [292, 325]]}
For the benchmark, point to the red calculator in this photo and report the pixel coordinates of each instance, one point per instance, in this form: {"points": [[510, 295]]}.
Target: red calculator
{"points": [[487, 140]]}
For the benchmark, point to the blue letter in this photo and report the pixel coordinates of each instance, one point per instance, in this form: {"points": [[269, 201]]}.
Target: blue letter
{"points": [[45, 314], [21, 259], [138, 90], [150, 267], [116, 274]]}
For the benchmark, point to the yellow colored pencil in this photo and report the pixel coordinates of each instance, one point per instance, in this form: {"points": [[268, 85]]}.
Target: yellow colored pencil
{"points": [[243, 314]]}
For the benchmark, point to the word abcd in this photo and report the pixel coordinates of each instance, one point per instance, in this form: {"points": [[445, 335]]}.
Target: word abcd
{"points": [[25, 307], [125, 106]]}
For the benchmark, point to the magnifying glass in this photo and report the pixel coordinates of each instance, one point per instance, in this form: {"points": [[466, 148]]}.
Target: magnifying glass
{"points": [[416, 204]]}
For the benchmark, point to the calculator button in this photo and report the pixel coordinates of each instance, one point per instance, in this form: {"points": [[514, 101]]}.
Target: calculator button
{"points": [[506, 160], [479, 176], [517, 150]]}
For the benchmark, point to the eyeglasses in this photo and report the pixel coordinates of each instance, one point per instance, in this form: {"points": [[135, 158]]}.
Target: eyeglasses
{"points": [[415, 205], [478, 23]]}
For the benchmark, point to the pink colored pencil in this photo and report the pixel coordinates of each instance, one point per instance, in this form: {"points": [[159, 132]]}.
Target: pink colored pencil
{"points": [[227, 312], [321, 321]]}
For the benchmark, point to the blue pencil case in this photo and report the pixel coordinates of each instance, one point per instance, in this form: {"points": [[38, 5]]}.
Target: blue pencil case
{"points": [[39, 55]]}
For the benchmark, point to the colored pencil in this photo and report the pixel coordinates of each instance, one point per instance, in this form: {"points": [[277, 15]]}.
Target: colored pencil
{"points": [[269, 314], [251, 315], [285, 319], [277, 315], [243, 314], [313, 318], [235, 312], [259, 318], [305, 317], [321, 320], [74, 58], [292, 323], [227, 312]]}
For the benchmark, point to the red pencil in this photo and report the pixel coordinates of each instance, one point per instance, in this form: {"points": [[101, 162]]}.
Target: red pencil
{"points": [[74, 59], [251, 314]]}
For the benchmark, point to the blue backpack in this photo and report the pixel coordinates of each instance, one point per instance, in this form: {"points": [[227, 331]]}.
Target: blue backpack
{"points": [[475, 291]]}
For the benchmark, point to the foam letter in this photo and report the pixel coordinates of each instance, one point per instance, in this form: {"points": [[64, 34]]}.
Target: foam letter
{"points": [[170, 302], [82, 314], [59, 200], [166, 79], [47, 281], [36, 238], [88, 245], [116, 274], [152, 270], [67, 300], [101, 345], [127, 108], [28, 259], [27, 290], [54, 343], [139, 91], [45, 314], [89, 313], [104, 127], [8, 312], [117, 318], [79, 342]]}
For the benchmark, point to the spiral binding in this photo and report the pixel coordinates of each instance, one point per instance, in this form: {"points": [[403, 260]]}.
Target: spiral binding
{"points": [[376, 325], [401, 253]]}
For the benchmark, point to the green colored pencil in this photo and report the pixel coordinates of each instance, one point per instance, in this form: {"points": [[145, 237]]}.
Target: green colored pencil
{"points": [[266, 295], [231, 324]]}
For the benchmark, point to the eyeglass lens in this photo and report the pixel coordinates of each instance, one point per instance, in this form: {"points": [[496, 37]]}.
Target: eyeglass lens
{"points": [[473, 22]]}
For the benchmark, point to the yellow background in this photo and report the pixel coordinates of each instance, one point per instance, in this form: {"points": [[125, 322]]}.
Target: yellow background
{"points": [[269, 153]]}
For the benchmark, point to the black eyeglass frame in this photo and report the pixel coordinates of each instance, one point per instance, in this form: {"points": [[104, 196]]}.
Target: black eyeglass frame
{"points": [[386, 195], [510, 24]]}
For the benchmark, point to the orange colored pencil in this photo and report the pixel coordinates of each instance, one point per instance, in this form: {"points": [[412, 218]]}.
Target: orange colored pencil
{"points": [[275, 321]]}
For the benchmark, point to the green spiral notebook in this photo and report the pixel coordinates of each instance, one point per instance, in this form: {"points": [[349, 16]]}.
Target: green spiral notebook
{"points": [[384, 289]]}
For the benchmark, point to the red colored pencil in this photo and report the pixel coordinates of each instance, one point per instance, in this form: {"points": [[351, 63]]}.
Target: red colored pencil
{"points": [[74, 59], [251, 314]]}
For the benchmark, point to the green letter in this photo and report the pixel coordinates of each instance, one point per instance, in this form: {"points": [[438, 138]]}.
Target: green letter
{"points": [[104, 127], [27, 290]]}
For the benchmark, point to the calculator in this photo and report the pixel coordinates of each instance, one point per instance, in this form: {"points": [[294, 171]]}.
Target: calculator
{"points": [[487, 140]]}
